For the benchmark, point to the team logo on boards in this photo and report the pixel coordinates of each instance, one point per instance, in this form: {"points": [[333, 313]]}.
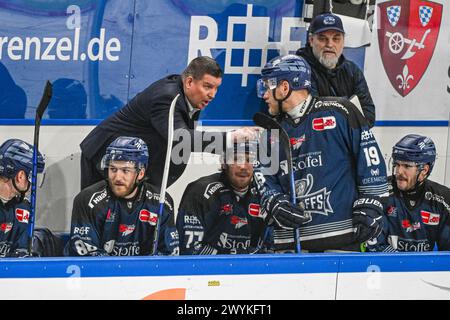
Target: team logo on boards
{"points": [[407, 36]]}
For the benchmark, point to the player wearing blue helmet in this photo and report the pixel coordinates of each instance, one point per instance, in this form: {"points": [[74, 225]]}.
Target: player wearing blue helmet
{"points": [[417, 210], [289, 69], [118, 216], [339, 172], [16, 165]]}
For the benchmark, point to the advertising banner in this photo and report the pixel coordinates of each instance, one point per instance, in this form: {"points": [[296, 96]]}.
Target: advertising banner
{"points": [[99, 54]]}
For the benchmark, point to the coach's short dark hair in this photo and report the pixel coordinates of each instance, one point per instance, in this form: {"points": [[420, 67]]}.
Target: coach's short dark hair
{"points": [[200, 66]]}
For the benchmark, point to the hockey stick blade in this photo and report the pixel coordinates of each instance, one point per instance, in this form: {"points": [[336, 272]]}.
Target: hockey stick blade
{"points": [[45, 100], [43, 104], [162, 195]]}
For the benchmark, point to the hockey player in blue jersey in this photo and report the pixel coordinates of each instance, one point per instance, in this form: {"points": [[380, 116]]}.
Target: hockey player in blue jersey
{"points": [[417, 211], [220, 213], [339, 171], [118, 216], [16, 165]]}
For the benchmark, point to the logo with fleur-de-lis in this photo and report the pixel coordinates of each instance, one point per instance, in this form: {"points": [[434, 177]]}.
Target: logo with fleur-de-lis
{"points": [[404, 78], [407, 41]]}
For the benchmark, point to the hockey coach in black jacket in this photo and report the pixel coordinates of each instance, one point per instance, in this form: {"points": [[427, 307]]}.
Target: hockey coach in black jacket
{"points": [[146, 117]]}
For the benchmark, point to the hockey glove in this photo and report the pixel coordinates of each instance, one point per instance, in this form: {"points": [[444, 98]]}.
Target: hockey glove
{"points": [[367, 219], [285, 214]]}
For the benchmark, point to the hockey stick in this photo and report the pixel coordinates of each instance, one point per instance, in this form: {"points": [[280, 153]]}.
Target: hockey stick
{"points": [[45, 100], [166, 171], [269, 123]]}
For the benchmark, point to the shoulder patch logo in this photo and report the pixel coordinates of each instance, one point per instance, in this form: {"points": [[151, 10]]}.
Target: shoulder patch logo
{"points": [[325, 123], [254, 210], [22, 215], [430, 218], [211, 189], [147, 216]]}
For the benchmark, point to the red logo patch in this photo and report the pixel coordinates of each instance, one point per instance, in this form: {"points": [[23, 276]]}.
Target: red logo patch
{"points": [[226, 209], [238, 222], [406, 224], [126, 229], [391, 210], [254, 209], [429, 218], [147, 216], [297, 142], [407, 36], [22, 215], [325, 123], [6, 227]]}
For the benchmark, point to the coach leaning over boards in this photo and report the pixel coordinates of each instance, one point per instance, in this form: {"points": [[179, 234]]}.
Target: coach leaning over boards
{"points": [[146, 117]]}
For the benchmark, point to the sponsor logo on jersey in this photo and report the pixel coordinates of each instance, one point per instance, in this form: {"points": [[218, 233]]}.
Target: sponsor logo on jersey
{"points": [[82, 231], [233, 242], [22, 215], [211, 189], [335, 104], [296, 143], [391, 211], [375, 172], [254, 209], [97, 197], [366, 135], [125, 229], [434, 197], [312, 160], [226, 209], [6, 227], [406, 224], [238, 222], [129, 250], [157, 197], [110, 216], [413, 246], [430, 218], [325, 123], [149, 194], [191, 220], [315, 202], [407, 36], [147, 216]]}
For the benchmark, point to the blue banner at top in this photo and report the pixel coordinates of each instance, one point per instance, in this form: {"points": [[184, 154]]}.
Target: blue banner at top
{"points": [[100, 54]]}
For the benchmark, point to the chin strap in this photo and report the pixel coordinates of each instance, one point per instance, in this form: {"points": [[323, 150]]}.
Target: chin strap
{"points": [[280, 102], [22, 194]]}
